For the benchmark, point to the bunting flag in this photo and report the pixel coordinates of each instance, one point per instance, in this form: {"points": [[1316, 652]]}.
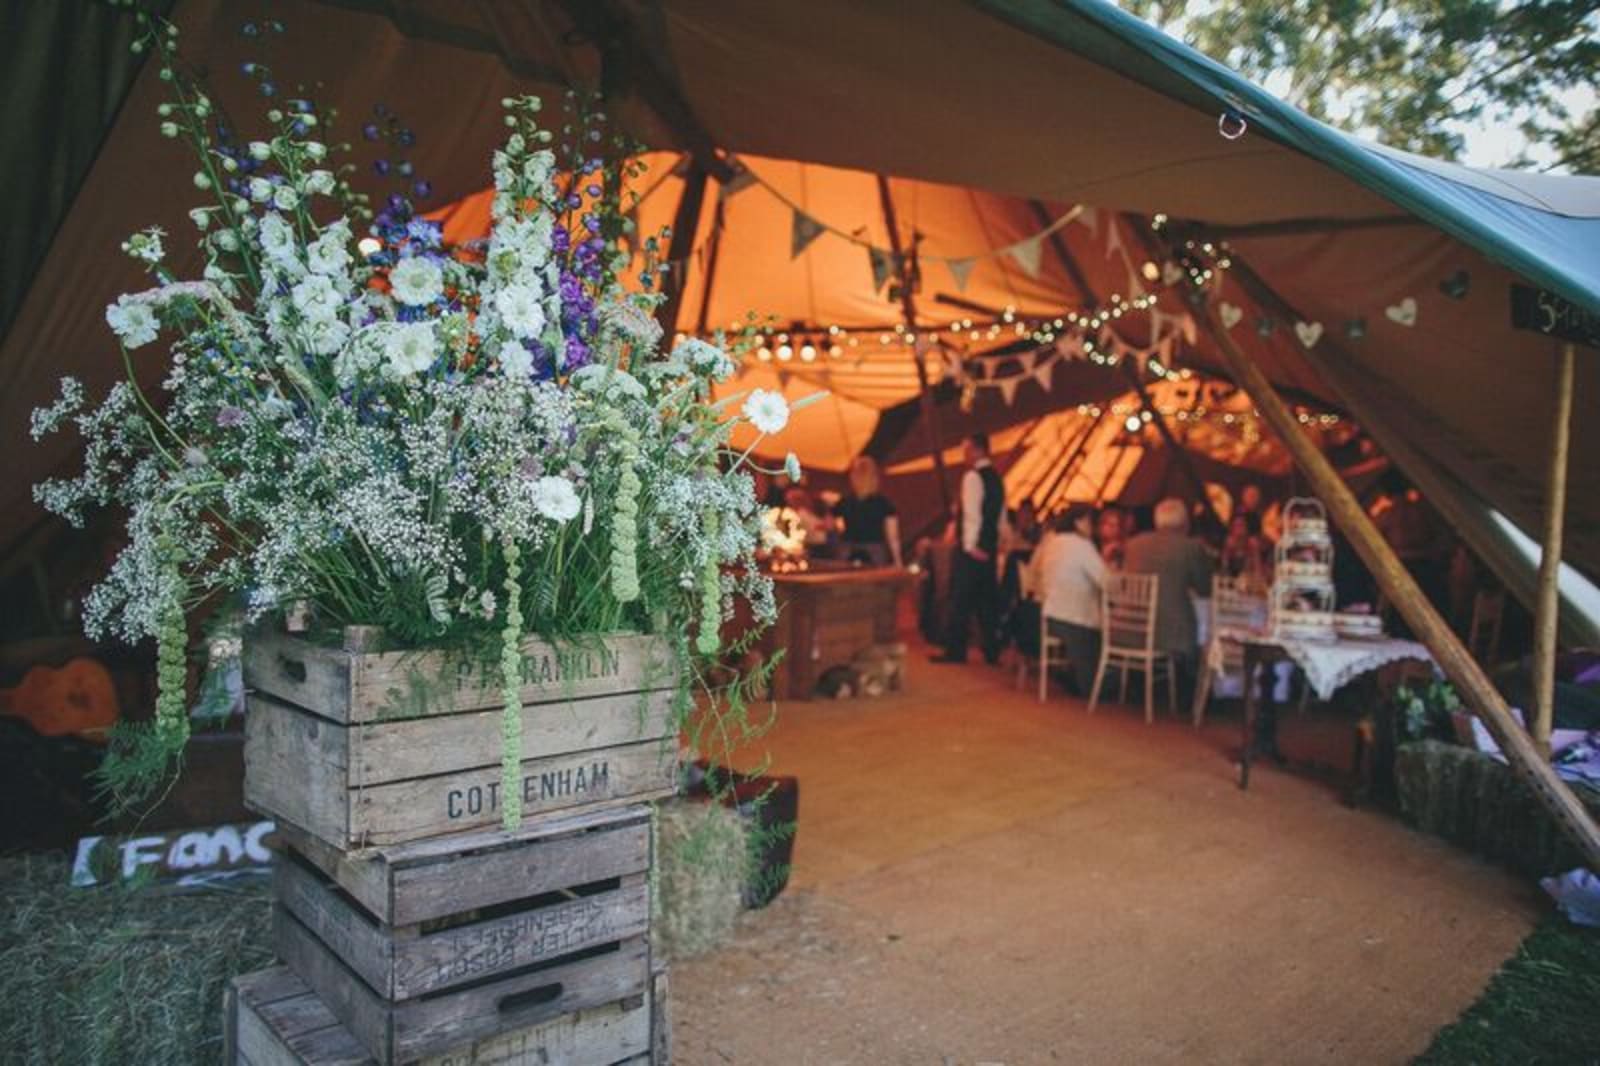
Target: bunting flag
{"points": [[1028, 254], [1027, 360], [883, 267], [960, 270], [1114, 241], [1089, 218], [1045, 374], [802, 232], [743, 177], [1008, 389]]}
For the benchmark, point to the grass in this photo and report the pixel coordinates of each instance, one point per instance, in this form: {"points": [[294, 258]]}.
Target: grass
{"points": [[1541, 1009], [119, 975]]}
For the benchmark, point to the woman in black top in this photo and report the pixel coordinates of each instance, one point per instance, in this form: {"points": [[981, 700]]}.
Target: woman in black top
{"points": [[871, 526]]}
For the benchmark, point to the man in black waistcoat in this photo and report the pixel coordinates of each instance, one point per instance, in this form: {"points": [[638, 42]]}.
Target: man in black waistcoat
{"points": [[972, 582]]}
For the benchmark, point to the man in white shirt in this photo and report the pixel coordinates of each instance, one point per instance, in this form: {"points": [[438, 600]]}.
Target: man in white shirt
{"points": [[972, 585], [1068, 573]]}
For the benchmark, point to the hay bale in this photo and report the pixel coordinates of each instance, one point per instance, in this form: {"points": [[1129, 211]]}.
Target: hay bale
{"points": [[1479, 803], [118, 974], [704, 858]]}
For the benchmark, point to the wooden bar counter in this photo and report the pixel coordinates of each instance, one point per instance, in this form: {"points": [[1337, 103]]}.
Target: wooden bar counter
{"points": [[826, 615]]}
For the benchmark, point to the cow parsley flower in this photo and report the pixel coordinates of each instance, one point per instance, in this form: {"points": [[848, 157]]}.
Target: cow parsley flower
{"points": [[520, 310], [410, 349], [600, 380], [556, 499], [768, 411], [133, 321], [416, 282], [705, 359]]}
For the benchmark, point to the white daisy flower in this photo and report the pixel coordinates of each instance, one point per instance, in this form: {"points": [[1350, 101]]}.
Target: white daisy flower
{"points": [[410, 349], [133, 321], [556, 499], [416, 282], [768, 411], [516, 361]]}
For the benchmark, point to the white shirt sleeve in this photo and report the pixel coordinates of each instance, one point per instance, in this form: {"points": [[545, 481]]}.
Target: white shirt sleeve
{"points": [[971, 510]]}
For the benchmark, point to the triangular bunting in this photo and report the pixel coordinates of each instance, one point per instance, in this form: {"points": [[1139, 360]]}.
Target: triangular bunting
{"points": [[1028, 254], [802, 232], [1070, 346], [742, 178], [1027, 359], [1114, 241], [960, 270], [1089, 219], [1008, 389], [882, 267], [1045, 374]]}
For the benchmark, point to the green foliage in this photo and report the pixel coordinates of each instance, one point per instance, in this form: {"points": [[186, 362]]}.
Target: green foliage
{"points": [[1540, 1007], [114, 975], [1414, 73], [1424, 710]]}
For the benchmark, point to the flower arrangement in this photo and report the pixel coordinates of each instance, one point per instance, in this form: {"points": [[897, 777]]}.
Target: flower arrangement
{"points": [[462, 446]]}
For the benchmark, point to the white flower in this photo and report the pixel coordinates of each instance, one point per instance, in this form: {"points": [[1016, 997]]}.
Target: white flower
{"points": [[416, 282], [260, 190], [133, 321], [516, 361], [260, 151], [520, 310], [326, 336], [277, 238], [145, 245], [706, 359], [791, 467], [598, 379], [330, 253], [556, 499], [320, 183], [767, 411], [410, 349], [315, 149], [201, 217], [487, 604], [285, 198], [316, 298]]}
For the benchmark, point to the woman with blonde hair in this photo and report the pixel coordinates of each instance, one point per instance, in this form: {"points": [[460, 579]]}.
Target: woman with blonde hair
{"points": [[871, 525]]}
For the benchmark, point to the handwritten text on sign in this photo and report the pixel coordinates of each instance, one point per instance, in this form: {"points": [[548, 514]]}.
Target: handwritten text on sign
{"points": [[187, 856], [1547, 313]]}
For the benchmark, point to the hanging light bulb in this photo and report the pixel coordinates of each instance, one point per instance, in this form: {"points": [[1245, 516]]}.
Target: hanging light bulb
{"points": [[808, 353], [765, 354], [785, 353], [835, 352], [1133, 425], [369, 247]]}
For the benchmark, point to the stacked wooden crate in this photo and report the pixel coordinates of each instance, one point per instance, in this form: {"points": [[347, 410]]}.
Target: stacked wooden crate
{"points": [[403, 912]]}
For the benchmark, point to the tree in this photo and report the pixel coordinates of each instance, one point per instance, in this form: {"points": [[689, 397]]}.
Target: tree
{"points": [[1416, 74]]}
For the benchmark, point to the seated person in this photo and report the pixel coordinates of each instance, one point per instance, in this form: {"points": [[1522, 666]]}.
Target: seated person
{"points": [[1068, 572]]}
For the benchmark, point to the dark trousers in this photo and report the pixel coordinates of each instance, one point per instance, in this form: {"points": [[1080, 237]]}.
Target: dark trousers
{"points": [[973, 592], [1082, 647]]}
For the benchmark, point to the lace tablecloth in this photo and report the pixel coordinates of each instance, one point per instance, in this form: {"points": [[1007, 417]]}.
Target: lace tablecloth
{"points": [[1328, 664]]}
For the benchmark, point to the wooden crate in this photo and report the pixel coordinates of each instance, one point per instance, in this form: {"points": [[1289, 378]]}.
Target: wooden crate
{"points": [[370, 748], [413, 920], [271, 1018]]}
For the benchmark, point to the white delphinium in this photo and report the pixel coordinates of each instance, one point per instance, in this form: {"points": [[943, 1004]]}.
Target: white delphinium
{"points": [[317, 298], [320, 183], [521, 311], [276, 237], [329, 254], [284, 198], [417, 281]]}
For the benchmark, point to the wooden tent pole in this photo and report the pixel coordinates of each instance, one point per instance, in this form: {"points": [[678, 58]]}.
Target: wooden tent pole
{"points": [[685, 221], [1066, 471], [1402, 590], [713, 253], [1545, 637], [908, 308]]}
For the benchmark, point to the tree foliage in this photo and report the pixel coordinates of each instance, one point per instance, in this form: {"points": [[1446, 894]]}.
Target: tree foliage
{"points": [[1416, 74]]}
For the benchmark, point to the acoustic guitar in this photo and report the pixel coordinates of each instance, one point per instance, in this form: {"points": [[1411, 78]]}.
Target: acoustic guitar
{"points": [[79, 698]]}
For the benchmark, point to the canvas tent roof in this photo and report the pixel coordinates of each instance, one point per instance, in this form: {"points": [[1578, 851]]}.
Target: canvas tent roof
{"points": [[1061, 101]]}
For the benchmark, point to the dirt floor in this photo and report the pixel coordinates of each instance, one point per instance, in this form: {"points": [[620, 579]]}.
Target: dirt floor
{"points": [[981, 878]]}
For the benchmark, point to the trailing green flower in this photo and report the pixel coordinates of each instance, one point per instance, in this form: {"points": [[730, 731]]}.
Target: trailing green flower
{"points": [[710, 636], [625, 516], [511, 681]]}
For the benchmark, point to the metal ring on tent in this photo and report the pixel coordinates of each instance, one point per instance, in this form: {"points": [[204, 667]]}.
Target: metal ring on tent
{"points": [[1232, 125]]}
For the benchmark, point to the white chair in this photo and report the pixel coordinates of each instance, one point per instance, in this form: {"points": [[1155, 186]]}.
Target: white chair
{"points": [[1051, 653], [1128, 638], [1232, 607]]}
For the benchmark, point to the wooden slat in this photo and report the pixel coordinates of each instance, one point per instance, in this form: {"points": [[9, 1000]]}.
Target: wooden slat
{"points": [[347, 686], [312, 1036], [296, 769], [416, 1028]]}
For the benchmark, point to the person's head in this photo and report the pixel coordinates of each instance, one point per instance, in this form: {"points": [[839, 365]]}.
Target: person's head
{"points": [[1250, 498], [1109, 525], [1172, 515], [1027, 513], [797, 499], [974, 448], [865, 477], [1078, 518], [1238, 527]]}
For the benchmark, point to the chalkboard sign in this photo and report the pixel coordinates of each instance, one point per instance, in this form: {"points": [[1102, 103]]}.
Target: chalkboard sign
{"points": [[1545, 312]]}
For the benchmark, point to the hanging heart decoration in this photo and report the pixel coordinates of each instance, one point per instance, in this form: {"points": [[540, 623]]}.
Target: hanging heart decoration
{"points": [[1308, 332], [1456, 285], [1171, 272], [1404, 312], [1229, 314], [1356, 328], [1264, 327]]}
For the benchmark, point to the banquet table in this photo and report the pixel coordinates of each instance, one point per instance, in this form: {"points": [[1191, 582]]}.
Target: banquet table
{"points": [[1328, 665]]}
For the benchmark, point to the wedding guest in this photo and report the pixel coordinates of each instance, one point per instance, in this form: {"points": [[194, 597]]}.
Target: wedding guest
{"points": [[1244, 553], [1111, 533], [1184, 567], [1068, 573], [871, 524], [973, 588]]}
